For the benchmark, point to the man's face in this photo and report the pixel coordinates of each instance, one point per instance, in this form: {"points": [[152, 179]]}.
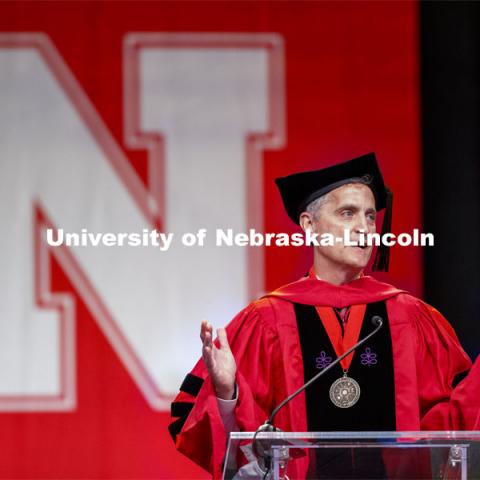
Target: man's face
{"points": [[349, 207]]}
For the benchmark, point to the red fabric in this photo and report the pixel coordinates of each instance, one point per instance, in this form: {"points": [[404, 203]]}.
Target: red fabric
{"points": [[343, 342], [264, 340], [317, 292]]}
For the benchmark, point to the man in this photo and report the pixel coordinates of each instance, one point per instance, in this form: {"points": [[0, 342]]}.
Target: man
{"points": [[403, 378]]}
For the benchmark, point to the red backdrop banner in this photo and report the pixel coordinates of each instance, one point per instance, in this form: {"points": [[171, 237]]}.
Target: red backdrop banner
{"points": [[336, 80]]}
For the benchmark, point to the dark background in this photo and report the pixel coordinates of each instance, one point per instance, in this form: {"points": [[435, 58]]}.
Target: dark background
{"points": [[451, 168]]}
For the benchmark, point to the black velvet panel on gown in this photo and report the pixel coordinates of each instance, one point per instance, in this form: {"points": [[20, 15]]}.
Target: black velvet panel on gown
{"points": [[372, 368]]}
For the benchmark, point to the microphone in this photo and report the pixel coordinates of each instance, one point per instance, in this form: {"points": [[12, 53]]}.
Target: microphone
{"points": [[262, 452]]}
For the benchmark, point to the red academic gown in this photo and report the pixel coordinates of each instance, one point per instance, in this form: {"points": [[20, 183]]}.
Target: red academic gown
{"points": [[264, 340]]}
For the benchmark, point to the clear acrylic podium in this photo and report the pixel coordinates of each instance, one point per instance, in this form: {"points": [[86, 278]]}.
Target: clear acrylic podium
{"points": [[354, 455]]}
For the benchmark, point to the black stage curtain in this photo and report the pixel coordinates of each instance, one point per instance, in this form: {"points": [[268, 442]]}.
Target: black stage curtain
{"points": [[450, 40]]}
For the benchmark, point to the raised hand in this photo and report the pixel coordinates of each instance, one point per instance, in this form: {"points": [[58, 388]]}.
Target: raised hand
{"points": [[220, 362]]}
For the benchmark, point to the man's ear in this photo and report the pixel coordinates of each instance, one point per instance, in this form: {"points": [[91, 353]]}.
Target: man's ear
{"points": [[306, 221]]}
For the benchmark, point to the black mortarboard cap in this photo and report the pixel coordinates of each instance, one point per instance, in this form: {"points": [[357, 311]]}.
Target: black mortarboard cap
{"points": [[300, 189]]}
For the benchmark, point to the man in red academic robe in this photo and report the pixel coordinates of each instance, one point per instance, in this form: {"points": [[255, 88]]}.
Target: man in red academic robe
{"points": [[412, 375]]}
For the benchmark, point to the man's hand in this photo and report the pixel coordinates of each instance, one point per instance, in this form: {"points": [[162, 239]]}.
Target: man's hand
{"points": [[220, 363]]}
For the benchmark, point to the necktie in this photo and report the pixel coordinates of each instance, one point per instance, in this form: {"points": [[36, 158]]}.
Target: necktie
{"points": [[342, 314]]}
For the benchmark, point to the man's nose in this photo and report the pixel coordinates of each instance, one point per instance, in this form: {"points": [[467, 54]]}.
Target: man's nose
{"points": [[361, 224]]}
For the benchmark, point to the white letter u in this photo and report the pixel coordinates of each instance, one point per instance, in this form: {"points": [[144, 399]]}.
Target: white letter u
{"points": [[50, 240]]}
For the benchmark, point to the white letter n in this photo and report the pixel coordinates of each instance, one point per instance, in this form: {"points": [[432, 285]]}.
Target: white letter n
{"points": [[196, 103]]}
